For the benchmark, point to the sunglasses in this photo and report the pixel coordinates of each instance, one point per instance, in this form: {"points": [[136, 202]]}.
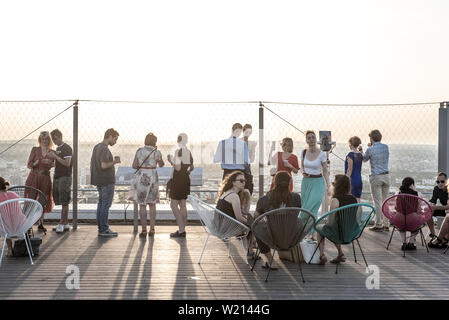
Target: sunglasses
{"points": [[241, 180], [440, 181]]}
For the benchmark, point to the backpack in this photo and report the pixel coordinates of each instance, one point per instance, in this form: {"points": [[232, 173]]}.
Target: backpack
{"points": [[20, 248]]}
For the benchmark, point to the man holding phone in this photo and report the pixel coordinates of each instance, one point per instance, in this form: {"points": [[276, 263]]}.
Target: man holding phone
{"points": [[103, 176]]}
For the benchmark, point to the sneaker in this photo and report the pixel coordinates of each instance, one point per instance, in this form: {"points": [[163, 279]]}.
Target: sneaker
{"points": [[385, 228], [376, 228], [108, 233], [404, 246], [59, 228], [411, 246], [67, 227], [178, 234]]}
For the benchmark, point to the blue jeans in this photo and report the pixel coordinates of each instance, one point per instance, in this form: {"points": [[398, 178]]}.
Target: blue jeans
{"points": [[105, 197]]}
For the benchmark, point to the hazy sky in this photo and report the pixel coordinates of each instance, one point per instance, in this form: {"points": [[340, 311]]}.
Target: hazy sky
{"points": [[298, 51]]}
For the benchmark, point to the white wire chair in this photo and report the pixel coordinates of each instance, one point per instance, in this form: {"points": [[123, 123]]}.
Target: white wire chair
{"points": [[16, 217], [220, 225]]}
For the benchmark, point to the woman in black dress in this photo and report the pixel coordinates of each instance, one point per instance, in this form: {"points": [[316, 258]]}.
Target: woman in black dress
{"points": [[182, 163]]}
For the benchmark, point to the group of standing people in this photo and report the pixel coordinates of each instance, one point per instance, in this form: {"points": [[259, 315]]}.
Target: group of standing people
{"points": [[145, 186]]}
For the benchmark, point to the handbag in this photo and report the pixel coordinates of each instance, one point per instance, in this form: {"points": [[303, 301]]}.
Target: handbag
{"points": [[308, 247], [132, 193]]}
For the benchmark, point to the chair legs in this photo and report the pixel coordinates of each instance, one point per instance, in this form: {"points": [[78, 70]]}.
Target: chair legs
{"points": [[245, 251], [3, 250], [360, 247], [204, 247], [255, 259], [299, 264], [353, 249], [423, 240], [394, 228], [28, 248], [315, 250], [27, 238], [271, 262]]}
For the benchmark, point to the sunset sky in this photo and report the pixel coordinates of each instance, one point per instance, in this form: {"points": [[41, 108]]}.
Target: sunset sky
{"points": [[341, 52]]}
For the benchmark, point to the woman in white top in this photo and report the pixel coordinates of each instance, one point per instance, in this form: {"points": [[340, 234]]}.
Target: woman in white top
{"points": [[314, 168]]}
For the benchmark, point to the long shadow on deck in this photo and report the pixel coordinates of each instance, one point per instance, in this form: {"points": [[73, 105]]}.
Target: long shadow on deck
{"points": [[184, 288]]}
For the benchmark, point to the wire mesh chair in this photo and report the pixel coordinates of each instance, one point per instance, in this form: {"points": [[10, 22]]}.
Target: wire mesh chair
{"points": [[17, 216], [282, 229], [30, 193], [407, 212], [344, 225], [219, 224]]}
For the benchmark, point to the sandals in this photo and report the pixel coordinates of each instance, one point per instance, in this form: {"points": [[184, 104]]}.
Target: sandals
{"points": [[151, 233], [339, 259], [267, 266], [439, 245]]}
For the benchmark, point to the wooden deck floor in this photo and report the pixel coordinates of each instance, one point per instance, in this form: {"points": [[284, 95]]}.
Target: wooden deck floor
{"points": [[127, 267]]}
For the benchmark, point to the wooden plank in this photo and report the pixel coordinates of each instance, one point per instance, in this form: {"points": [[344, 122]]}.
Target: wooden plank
{"points": [[128, 267]]}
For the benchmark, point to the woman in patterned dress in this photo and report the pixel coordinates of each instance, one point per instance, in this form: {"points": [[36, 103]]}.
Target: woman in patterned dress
{"points": [[39, 177], [146, 181]]}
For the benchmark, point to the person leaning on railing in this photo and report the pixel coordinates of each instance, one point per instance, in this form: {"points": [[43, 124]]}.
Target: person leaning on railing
{"points": [[278, 197], [341, 196]]}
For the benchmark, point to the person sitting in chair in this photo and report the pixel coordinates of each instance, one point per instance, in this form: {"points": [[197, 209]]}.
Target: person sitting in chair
{"points": [[341, 196], [277, 198], [410, 208]]}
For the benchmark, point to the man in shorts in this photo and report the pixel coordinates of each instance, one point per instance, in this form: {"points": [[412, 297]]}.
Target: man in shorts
{"points": [[62, 180]]}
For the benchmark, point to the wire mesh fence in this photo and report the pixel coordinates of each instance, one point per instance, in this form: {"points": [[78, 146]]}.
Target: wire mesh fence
{"points": [[411, 131]]}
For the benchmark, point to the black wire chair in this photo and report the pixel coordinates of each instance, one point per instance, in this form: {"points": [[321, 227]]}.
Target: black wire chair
{"points": [[282, 229]]}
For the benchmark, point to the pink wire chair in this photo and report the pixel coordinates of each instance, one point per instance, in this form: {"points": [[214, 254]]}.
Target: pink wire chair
{"points": [[407, 212]]}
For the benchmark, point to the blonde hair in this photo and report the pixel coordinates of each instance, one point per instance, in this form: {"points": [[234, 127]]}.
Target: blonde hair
{"points": [[43, 135]]}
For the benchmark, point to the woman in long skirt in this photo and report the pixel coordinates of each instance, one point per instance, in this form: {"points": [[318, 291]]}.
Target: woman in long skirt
{"points": [[315, 175]]}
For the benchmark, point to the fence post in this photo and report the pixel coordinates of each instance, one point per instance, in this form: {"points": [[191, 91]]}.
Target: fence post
{"points": [[443, 146], [261, 150], [75, 167]]}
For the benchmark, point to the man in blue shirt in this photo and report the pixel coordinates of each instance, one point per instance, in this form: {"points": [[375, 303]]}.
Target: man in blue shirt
{"points": [[378, 155], [232, 153]]}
